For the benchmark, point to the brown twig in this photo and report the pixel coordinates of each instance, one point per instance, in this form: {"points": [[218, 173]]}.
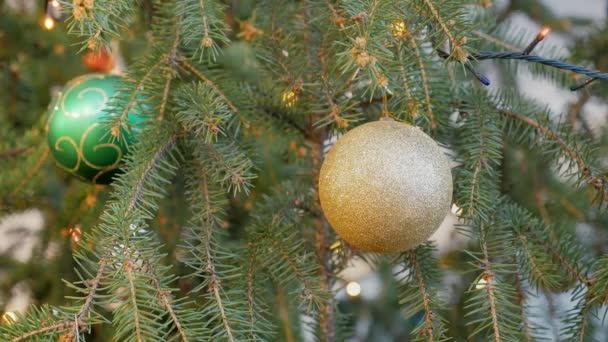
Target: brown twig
{"points": [[425, 83], [488, 276], [129, 270], [596, 182], [406, 86], [428, 313], [32, 172], [57, 326], [521, 299], [15, 152], [250, 289], [460, 54], [207, 81], [214, 283], [138, 87], [165, 300]]}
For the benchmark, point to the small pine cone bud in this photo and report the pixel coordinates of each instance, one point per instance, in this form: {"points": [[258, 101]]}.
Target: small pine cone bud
{"points": [[339, 21], [302, 151], [77, 3], [463, 41], [88, 4], [460, 54], [487, 3], [92, 44], [78, 12], [207, 42], [214, 129], [342, 123]]}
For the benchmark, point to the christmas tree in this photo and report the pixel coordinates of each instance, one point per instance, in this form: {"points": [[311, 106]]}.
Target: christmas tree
{"points": [[297, 170]]}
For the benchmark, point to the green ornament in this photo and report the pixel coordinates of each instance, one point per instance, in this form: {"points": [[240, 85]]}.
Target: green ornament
{"points": [[76, 135]]}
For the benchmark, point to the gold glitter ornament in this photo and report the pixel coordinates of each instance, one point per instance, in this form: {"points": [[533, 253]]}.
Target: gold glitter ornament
{"points": [[385, 186]]}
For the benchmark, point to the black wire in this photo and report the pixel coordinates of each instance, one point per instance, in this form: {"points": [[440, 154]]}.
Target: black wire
{"points": [[483, 55]]}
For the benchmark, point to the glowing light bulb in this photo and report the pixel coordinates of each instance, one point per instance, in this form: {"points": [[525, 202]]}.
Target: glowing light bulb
{"points": [[544, 32], [55, 3], [9, 318], [456, 210], [398, 28], [481, 284], [289, 98], [49, 23], [353, 289]]}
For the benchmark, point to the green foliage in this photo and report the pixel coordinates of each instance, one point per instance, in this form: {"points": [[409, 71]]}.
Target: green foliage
{"points": [[238, 101]]}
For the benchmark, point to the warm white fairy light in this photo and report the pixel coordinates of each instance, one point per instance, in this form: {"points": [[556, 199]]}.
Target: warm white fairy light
{"points": [[49, 23], [9, 318], [353, 289], [481, 284], [55, 3]]}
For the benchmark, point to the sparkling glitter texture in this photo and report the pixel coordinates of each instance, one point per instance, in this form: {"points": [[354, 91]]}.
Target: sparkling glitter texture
{"points": [[385, 187]]}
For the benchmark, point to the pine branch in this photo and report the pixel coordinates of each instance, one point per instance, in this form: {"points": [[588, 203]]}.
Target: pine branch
{"points": [[57, 326], [129, 269], [207, 81], [428, 313], [488, 276], [138, 88], [425, 83], [458, 52], [165, 299], [15, 152], [33, 171], [598, 183], [250, 289], [521, 300]]}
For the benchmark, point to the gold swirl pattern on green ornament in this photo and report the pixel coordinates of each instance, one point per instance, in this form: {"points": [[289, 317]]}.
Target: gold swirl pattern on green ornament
{"points": [[76, 82], [83, 159]]}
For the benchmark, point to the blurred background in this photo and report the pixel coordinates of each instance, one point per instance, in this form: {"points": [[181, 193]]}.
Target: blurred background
{"points": [[37, 57]]}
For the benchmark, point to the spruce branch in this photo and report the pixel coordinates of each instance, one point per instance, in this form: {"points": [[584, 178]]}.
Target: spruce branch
{"points": [[404, 80], [33, 171], [488, 276], [165, 299], [521, 301], [128, 266], [54, 327], [207, 81], [598, 183], [15, 152], [428, 313], [423, 75], [138, 88], [458, 52]]}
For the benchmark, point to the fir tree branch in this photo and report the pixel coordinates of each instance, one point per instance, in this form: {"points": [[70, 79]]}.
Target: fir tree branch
{"points": [[403, 76], [597, 182], [521, 300], [94, 284], [284, 314], [201, 4], [165, 300], [488, 276], [250, 289], [57, 326], [585, 316], [15, 152], [33, 171], [496, 41], [150, 165], [163, 103], [123, 115], [569, 267], [207, 81], [425, 83], [292, 264], [214, 284], [326, 316], [428, 313], [129, 269], [459, 52]]}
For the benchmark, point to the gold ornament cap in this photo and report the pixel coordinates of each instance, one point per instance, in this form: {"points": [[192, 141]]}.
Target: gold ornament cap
{"points": [[385, 186]]}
